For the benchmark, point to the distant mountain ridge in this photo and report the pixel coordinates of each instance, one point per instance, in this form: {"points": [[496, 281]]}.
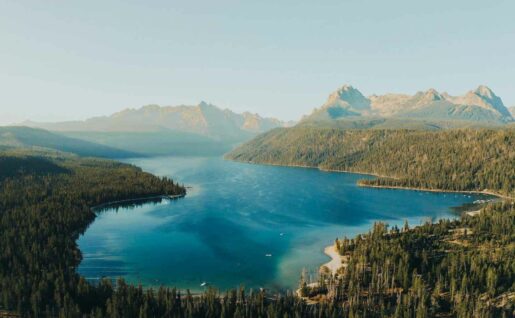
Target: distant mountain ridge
{"points": [[16, 137], [203, 119], [479, 105]]}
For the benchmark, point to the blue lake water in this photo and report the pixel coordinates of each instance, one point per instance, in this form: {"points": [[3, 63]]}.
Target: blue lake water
{"points": [[234, 215]]}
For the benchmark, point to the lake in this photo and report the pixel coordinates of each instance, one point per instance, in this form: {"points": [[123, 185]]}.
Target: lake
{"points": [[254, 225]]}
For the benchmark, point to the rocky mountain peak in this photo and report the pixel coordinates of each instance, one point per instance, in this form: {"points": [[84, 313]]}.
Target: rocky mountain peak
{"points": [[426, 97], [484, 91], [432, 94], [484, 97], [346, 90], [204, 104], [346, 87], [480, 104], [348, 97]]}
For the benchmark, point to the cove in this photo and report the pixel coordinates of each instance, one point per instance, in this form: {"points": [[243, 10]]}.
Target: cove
{"points": [[242, 224]]}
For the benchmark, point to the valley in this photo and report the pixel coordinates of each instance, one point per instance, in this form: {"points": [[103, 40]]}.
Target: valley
{"points": [[234, 215], [257, 159], [248, 231]]}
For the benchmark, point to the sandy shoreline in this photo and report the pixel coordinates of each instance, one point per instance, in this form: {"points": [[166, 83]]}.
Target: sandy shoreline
{"points": [[473, 213], [336, 261]]}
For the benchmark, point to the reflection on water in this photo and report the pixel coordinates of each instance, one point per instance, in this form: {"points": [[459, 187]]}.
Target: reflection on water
{"points": [[243, 224]]}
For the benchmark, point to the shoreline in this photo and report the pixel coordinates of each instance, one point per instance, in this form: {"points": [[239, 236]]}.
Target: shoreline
{"points": [[473, 213], [153, 197], [336, 262], [503, 196], [484, 192], [311, 167]]}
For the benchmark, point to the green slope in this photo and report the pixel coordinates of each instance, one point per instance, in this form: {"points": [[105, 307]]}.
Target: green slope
{"points": [[25, 137], [15, 166], [465, 159]]}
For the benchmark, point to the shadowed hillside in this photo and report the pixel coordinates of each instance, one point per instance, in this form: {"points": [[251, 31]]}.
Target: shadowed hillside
{"points": [[25, 137]]}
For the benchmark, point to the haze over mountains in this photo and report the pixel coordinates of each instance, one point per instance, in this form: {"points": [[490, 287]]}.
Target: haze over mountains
{"points": [[152, 130], [205, 129], [15, 137], [480, 105], [203, 119]]}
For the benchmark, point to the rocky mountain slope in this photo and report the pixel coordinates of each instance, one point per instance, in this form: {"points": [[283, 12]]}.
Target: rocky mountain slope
{"points": [[479, 105]]}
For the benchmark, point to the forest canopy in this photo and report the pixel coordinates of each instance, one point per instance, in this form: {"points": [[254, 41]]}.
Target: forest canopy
{"points": [[461, 159], [462, 268], [45, 203]]}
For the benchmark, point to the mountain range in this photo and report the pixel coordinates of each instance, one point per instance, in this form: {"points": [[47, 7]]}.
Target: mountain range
{"points": [[152, 130], [203, 119], [479, 105], [205, 129]]}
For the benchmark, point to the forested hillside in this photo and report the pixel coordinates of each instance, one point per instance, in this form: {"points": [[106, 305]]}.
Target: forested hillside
{"points": [[463, 268], [45, 204], [463, 160], [32, 138]]}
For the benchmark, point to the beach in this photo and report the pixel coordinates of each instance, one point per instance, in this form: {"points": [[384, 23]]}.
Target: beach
{"points": [[336, 261]]}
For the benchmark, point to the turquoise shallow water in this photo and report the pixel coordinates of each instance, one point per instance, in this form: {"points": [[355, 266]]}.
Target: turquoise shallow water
{"points": [[234, 215]]}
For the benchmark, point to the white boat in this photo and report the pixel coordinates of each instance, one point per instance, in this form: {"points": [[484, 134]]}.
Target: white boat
{"points": [[203, 284], [268, 255]]}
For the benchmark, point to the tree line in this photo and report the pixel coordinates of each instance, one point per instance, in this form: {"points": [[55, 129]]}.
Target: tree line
{"points": [[45, 204], [463, 268], [459, 159]]}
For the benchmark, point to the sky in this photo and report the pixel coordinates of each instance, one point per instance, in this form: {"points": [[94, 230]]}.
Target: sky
{"points": [[68, 60]]}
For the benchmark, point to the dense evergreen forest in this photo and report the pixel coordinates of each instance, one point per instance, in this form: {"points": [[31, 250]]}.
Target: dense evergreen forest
{"points": [[463, 160], [463, 268], [45, 204]]}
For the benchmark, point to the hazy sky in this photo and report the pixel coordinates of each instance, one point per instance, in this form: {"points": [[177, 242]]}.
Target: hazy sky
{"points": [[75, 59]]}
